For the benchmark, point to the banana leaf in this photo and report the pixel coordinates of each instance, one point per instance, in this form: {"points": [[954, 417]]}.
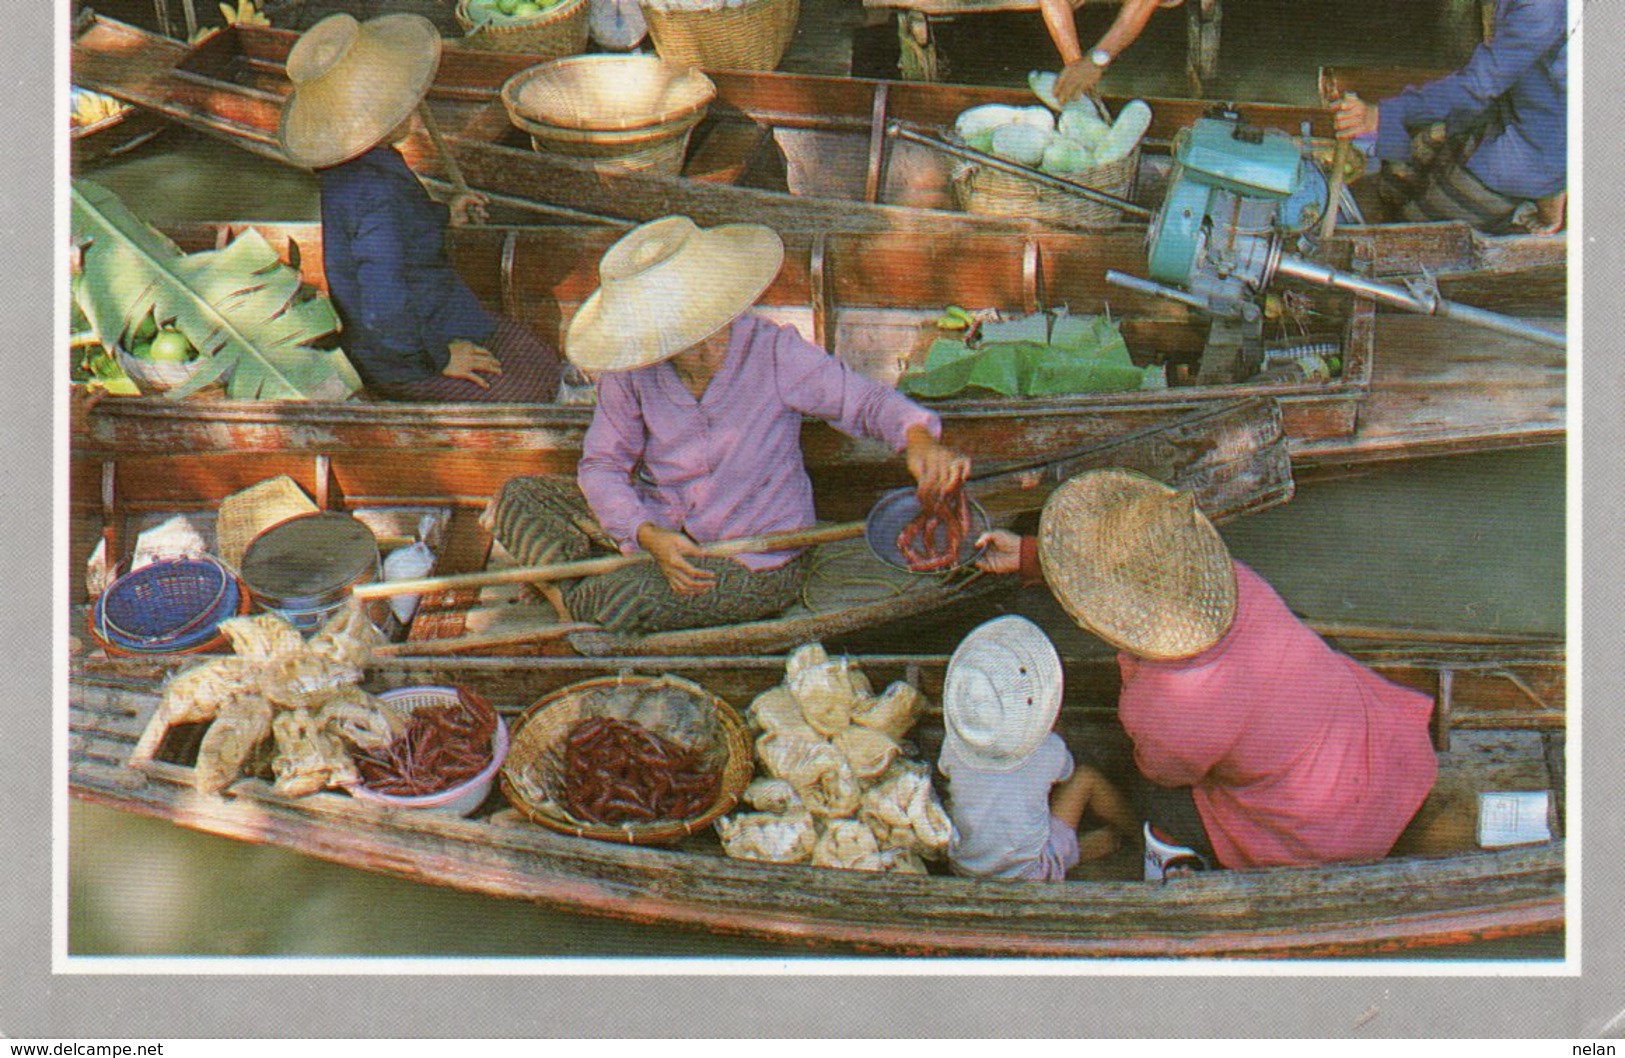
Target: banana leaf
{"points": [[239, 306], [1083, 354]]}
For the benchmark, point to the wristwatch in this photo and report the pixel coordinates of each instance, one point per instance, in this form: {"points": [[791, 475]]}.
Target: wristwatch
{"points": [[1100, 57]]}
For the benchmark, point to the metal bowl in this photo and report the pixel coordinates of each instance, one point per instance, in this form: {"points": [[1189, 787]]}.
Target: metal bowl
{"points": [[896, 509]]}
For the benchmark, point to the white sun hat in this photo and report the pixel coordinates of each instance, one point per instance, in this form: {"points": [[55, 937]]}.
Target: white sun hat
{"points": [[1001, 694], [668, 285]]}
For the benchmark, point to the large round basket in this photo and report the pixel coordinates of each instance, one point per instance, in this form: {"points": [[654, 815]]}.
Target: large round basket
{"points": [[722, 34], [559, 31], [619, 112], [982, 190], [170, 606], [535, 758]]}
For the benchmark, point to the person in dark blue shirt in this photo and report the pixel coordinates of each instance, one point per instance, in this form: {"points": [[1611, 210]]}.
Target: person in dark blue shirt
{"points": [[412, 327], [1500, 160]]}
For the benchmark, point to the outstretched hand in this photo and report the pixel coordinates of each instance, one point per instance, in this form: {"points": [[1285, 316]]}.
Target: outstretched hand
{"points": [[471, 363], [1001, 552], [671, 551]]}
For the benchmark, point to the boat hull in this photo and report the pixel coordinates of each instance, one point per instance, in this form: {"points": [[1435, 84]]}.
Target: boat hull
{"points": [[1408, 904]]}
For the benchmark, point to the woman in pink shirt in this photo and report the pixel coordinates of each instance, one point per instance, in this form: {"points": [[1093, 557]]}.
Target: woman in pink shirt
{"points": [[697, 434], [1289, 752]]}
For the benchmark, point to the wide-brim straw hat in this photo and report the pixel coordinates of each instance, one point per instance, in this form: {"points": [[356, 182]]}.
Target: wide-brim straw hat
{"points": [[1001, 693], [668, 285], [353, 83], [1137, 563]]}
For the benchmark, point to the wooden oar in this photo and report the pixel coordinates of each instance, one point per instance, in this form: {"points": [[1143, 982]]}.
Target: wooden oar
{"points": [[1334, 192], [591, 566], [453, 170]]}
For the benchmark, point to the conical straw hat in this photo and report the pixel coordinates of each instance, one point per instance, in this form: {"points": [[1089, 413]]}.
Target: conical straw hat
{"points": [[1001, 693], [668, 285], [1137, 563], [353, 83]]}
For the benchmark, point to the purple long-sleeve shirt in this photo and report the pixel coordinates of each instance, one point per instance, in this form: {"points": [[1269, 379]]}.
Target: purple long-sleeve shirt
{"points": [[728, 464]]}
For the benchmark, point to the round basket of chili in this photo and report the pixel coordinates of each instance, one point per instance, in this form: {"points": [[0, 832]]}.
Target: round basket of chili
{"points": [[643, 760]]}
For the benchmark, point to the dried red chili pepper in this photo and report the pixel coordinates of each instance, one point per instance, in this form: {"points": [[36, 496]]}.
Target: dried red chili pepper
{"points": [[617, 771]]}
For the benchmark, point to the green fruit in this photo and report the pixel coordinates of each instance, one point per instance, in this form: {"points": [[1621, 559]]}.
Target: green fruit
{"points": [[146, 329], [507, 6], [526, 10], [170, 347], [143, 350]]}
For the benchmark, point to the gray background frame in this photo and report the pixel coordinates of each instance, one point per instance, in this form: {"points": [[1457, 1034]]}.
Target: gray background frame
{"points": [[36, 1004]]}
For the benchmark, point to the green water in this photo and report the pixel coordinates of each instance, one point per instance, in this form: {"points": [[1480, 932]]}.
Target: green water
{"points": [[1471, 543]]}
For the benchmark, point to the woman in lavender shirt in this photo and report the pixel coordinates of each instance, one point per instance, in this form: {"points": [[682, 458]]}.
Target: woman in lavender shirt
{"points": [[697, 434]]}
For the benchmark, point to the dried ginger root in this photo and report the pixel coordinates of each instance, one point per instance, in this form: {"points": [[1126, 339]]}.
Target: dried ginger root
{"points": [[301, 680], [771, 795], [200, 692], [768, 836], [360, 719], [262, 637], [849, 844], [776, 710], [869, 753], [894, 712], [903, 812], [347, 638], [308, 758], [243, 723], [821, 776]]}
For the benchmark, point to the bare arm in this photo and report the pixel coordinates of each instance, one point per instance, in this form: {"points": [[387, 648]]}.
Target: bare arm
{"points": [[1079, 74]]}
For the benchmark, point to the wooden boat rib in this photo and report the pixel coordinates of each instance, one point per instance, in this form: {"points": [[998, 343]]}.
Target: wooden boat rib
{"points": [[797, 152], [1502, 729]]}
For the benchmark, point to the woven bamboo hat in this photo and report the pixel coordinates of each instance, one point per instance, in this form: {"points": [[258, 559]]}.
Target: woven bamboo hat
{"points": [[668, 285], [353, 83], [1001, 693], [1137, 563]]}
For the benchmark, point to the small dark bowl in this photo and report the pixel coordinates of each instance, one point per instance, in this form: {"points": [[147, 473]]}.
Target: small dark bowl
{"points": [[896, 509]]}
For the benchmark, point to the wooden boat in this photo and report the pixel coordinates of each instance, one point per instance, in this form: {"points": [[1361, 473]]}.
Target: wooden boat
{"points": [[1499, 725], [1232, 457], [872, 298], [797, 152]]}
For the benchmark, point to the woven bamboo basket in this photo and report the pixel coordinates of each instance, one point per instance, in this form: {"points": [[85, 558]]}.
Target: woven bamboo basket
{"points": [[553, 34], [752, 35], [982, 190], [619, 112], [535, 760]]}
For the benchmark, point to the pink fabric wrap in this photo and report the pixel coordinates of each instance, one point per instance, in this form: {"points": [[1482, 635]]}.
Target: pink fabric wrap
{"points": [[1295, 753]]}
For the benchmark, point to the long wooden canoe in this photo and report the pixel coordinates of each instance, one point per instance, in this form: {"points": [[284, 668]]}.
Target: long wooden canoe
{"points": [[1499, 727], [1409, 386], [797, 152], [1233, 458]]}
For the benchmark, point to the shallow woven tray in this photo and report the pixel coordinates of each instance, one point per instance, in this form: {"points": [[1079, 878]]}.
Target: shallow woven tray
{"points": [[544, 725]]}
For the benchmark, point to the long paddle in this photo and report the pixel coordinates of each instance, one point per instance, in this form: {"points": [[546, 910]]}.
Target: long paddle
{"points": [[590, 566]]}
